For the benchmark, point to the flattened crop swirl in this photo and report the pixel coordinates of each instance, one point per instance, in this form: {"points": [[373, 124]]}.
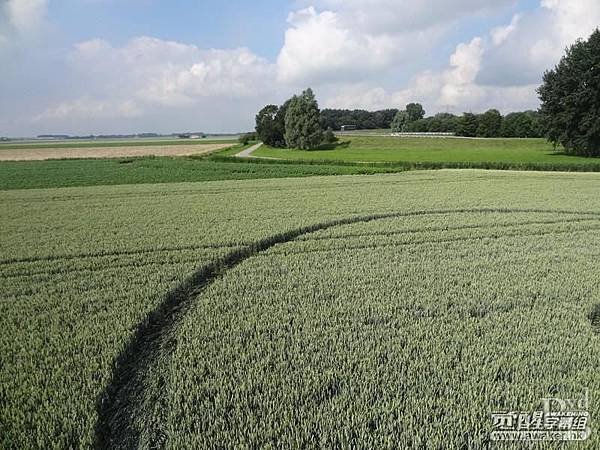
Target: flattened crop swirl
{"points": [[118, 424]]}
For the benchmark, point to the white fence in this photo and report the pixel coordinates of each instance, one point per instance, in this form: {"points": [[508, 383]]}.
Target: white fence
{"points": [[423, 134]]}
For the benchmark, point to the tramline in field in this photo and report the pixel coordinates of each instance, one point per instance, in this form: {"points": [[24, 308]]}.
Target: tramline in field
{"points": [[452, 277]]}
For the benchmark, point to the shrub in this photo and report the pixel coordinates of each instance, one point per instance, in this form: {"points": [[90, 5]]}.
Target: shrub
{"points": [[330, 137], [246, 138]]}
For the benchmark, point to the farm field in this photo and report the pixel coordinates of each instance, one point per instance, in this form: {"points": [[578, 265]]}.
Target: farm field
{"points": [[388, 311], [435, 150], [97, 172], [220, 164], [46, 153], [86, 143]]}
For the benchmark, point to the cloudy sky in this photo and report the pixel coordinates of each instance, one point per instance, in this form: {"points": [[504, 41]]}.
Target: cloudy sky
{"points": [[122, 66]]}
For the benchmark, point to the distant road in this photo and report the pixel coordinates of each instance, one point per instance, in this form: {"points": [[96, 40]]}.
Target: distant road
{"points": [[248, 152]]}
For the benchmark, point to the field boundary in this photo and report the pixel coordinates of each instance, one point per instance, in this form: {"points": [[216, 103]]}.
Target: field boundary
{"points": [[120, 405]]}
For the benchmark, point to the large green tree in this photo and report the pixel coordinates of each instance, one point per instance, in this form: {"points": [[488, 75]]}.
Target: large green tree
{"points": [[269, 128], [490, 124], [400, 121], [415, 111], [570, 99], [521, 125], [468, 125], [280, 121], [302, 126]]}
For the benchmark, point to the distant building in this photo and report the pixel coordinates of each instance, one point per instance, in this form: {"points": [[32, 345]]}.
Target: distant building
{"points": [[348, 127], [191, 136], [53, 136]]}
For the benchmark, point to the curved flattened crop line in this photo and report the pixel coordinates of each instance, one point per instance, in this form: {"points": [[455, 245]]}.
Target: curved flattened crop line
{"points": [[118, 424]]}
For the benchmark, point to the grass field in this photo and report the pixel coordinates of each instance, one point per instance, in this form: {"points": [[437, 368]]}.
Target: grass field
{"points": [[435, 150], [382, 311]]}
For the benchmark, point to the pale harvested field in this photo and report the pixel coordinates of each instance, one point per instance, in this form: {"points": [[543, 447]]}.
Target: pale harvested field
{"points": [[40, 154]]}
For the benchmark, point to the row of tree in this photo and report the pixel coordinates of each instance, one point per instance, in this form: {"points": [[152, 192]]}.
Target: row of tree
{"points": [[490, 124], [298, 123], [359, 118], [412, 120]]}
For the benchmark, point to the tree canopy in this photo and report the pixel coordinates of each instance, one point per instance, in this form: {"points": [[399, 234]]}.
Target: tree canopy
{"points": [[570, 98], [469, 125], [415, 111], [268, 126], [490, 124], [400, 121], [302, 126], [361, 119], [272, 120]]}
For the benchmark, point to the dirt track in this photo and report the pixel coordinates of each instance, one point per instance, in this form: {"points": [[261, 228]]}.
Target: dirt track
{"points": [[40, 154], [248, 152]]}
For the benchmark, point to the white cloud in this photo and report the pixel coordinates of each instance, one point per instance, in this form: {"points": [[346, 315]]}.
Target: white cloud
{"points": [[355, 53], [573, 19], [501, 34], [20, 19], [218, 73], [26, 15], [458, 86], [318, 48], [89, 108], [353, 39], [535, 41], [152, 77], [165, 72], [405, 16], [454, 89], [500, 70]]}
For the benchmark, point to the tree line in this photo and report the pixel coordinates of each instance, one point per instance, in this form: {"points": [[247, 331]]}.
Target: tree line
{"points": [[298, 123], [361, 119], [568, 116], [412, 119], [527, 124]]}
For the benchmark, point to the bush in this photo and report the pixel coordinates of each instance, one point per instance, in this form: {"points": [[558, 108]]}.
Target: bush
{"points": [[330, 137], [246, 138]]}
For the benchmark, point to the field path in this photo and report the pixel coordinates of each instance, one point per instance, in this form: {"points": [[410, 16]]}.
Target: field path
{"points": [[41, 154], [248, 152]]}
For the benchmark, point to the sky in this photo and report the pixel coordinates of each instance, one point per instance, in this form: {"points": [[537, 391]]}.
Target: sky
{"points": [[130, 66]]}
